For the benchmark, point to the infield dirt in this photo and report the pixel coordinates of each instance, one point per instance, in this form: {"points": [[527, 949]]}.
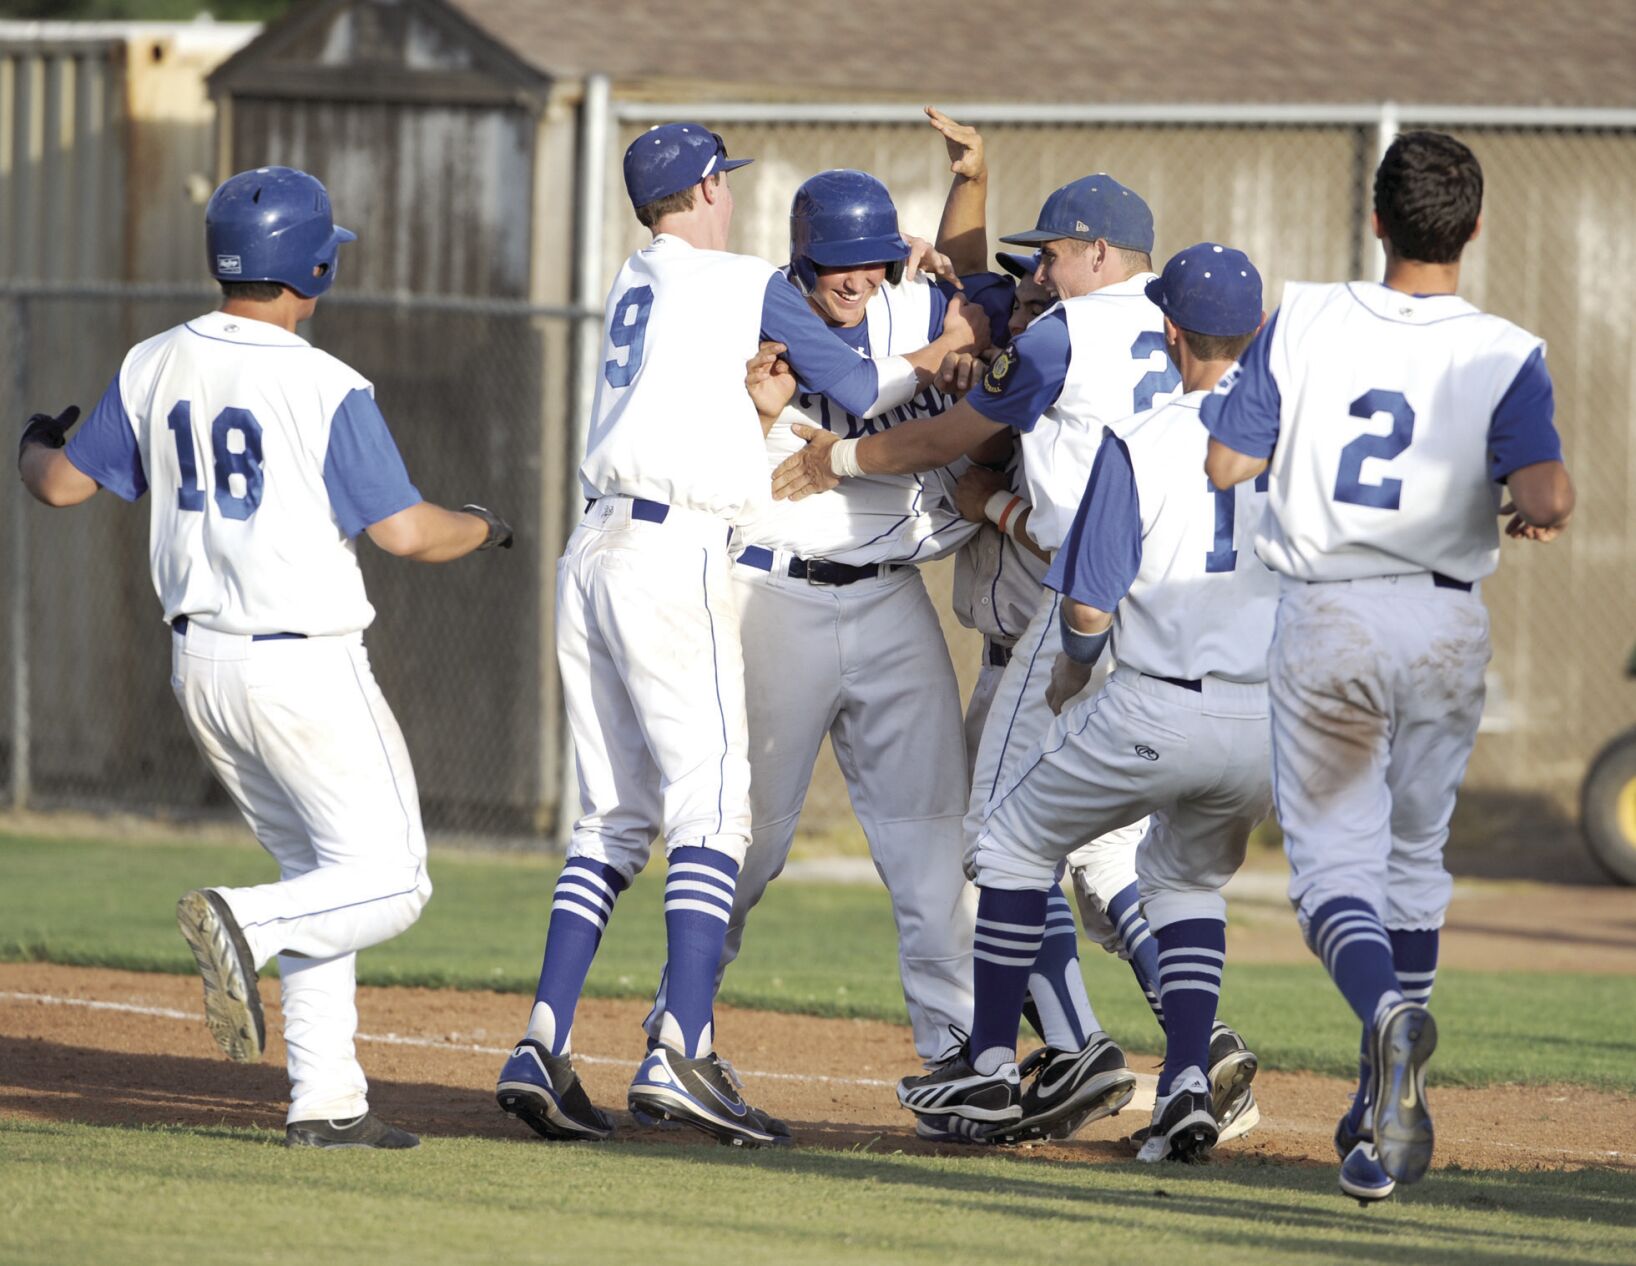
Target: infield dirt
{"points": [[112, 1047]]}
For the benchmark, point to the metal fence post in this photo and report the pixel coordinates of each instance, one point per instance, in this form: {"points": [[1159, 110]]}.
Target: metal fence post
{"points": [[596, 117], [21, 735]]}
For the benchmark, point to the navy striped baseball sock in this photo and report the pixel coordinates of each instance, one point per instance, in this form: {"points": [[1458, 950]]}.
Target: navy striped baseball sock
{"points": [[1191, 954], [580, 906], [1125, 912], [1056, 985], [1414, 960], [1347, 934], [1010, 928], [698, 903]]}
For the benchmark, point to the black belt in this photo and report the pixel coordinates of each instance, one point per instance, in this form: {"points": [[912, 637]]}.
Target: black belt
{"points": [[996, 655], [816, 571], [179, 625], [642, 508], [1186, 683], [1449, 582]]}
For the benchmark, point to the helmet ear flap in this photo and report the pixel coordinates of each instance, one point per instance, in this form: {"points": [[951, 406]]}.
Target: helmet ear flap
{"points": [[803, 274], [895, 270]]}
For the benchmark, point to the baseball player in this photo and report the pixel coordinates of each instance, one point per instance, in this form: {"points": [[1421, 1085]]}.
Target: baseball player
{"points": [[832, 584], [1087, 361], [1388, 416], [1152, 561], [997, 591], [266, 459], [648, 638]]}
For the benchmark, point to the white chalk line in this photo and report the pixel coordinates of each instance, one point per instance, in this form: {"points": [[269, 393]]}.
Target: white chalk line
{"points": [[398, 1039], [1146, 1083]]}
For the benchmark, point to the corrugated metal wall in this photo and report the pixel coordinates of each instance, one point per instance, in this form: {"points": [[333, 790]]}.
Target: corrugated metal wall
{"points": [[107, 147]]}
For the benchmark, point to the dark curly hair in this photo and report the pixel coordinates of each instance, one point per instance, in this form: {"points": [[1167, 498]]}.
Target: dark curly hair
{"points": [[1428, 192]]}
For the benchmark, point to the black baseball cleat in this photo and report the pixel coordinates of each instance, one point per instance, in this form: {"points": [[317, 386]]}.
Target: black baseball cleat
{"points": [[954, 1088], [1402, 1042], [1184, 1126], [704, 1094], [1233, 1066], [365, 1131], [232, 1004], [1065, 1090], [544, 1092]]}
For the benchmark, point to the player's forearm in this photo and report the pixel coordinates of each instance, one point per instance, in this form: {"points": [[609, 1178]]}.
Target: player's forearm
{"points": [[923, 443], [427, 533], [1228, 467], [963, 233], [50, 477], [1542, 493]]}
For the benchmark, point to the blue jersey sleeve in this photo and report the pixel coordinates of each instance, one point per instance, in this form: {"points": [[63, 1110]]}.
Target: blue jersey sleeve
{"points": [[1026, 379], [363, 470], [1243, 411], [1102, 552], [1523, 430], [105, 447], [825, 365], [994, 294], [940, 309]]}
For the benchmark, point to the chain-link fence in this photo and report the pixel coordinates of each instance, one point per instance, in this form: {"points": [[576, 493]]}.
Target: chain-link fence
{"points": [[482, 397], [1293, 188], [463, 652]]}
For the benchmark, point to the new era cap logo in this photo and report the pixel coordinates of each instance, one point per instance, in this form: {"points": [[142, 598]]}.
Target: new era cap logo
{"points": [[1081, 227], [228, 264]]}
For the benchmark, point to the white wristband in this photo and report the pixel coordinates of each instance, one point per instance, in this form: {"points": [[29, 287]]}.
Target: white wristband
{"points": [[843, 458], [1001, 510]]}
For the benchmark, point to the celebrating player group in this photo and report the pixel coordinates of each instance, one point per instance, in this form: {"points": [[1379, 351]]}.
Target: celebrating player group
{"points": [[1223, 562]]}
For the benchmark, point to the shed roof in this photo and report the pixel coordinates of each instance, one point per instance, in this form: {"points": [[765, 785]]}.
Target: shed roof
{"points": [[1457, 52]]}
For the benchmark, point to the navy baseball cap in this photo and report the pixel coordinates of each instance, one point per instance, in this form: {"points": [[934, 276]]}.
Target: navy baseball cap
{"points": [[1089, 208], [672, 157], [1018, 265], [1209, 289]]}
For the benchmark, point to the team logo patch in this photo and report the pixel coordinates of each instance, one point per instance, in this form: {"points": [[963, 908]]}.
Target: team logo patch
{"points": [[1146, 752], [994, 380], [228, 264]]}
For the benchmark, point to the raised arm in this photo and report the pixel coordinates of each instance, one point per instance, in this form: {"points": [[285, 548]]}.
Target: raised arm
{"points": [[963, 233]]}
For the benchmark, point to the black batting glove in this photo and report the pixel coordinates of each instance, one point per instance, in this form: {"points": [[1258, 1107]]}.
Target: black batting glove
{"points": [[499, 536], [42, 428]]}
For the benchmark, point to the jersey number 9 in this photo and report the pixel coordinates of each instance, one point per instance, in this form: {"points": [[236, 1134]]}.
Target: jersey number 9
{"points": [[628, 330], [243, 461]]}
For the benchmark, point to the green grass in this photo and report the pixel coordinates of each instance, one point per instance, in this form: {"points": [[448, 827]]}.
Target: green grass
{"points": [[814, 948], [233, 1195]]}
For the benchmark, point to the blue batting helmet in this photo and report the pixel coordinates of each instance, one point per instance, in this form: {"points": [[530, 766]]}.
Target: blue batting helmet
{"points": [[273, 224], [844, 217]]}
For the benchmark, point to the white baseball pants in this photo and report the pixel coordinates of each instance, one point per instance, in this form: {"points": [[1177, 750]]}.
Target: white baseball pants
{"points": [[1196, 760], [298, 733], [1376, 689], [653, 682], [865, 664], [1101, 864]]}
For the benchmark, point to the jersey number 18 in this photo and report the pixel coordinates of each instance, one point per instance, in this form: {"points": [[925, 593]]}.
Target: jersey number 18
{"points": [[244, 461]]}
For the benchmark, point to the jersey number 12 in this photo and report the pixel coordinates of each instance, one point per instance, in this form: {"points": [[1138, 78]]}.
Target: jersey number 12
{"points": [[245, 461]]}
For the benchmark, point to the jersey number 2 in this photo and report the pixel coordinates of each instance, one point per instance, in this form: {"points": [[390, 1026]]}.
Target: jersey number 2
{"points": [[1154, 381], [245, 461], [628, 330], [1349, 484]]}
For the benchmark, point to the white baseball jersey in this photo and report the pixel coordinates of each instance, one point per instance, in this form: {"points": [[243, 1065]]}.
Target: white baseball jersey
{"points": [[997, 581], [1083, 365], [265, 457], [871, 518], [1169, 555], [1389, 419], [672, 421]]}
